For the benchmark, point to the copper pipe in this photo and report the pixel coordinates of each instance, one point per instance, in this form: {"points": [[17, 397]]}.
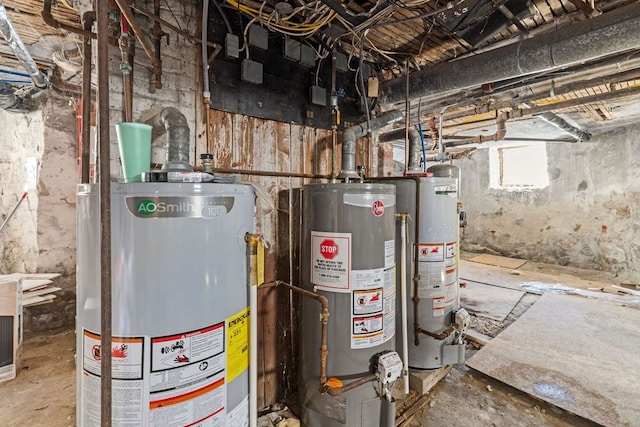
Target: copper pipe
{"points": [[337, 391], [270, 173], [48, 19], [324, 319], [440, 336], [148, 49], [88, 19], [501, 131], [324, 348]]}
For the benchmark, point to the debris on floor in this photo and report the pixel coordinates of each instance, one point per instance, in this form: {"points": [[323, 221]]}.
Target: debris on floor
{"points": [[278, 416]]}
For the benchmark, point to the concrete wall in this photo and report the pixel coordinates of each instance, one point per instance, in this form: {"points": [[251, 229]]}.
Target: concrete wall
{"points": [[587, 217]]}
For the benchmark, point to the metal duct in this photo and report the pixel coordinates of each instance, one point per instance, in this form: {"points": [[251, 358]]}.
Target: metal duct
{"points": [[560, 123], [415, 146], [349, 141], [9, 101], [9, 33], [608, 34], [175, 125]]}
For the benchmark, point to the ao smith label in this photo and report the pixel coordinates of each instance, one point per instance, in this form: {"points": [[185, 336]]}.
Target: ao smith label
{"points": [[180, 207]]}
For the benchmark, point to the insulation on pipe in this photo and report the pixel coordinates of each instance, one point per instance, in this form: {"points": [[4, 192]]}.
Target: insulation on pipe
{"points": [[581, 42], [9, 33]]}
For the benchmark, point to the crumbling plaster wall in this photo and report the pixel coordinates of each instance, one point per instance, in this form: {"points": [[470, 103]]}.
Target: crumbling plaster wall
{"points": [[587, 217], [40, 237]]}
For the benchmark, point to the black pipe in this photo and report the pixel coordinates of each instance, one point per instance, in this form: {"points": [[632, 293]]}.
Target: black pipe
{"points": [[584, 41], [85, 158], [104, 143], [48, 19]]}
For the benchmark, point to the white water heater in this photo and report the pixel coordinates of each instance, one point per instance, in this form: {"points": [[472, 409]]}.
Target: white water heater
{"points": [[180, 330]]}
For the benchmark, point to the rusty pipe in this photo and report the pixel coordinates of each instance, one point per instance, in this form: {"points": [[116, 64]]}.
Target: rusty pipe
{"points": [[170, 26], [88, 18], [270, 173], [324, 320], [501, 131], [337, 391], [48, 19], [148, 49], [325, 387], [439, 336], [106, 315]]}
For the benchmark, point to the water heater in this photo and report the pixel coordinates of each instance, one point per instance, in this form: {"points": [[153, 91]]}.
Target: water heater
{"points": [[179, 304], [435, 322], [348, 256]]}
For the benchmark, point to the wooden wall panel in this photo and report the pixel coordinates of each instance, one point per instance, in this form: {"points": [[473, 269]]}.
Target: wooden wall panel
{"points": [[249, 143]]}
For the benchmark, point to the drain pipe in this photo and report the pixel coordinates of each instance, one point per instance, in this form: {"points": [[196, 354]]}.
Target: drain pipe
{"points": [[404, 230], [9, 33], [253, 242], [174, 123], [349, 141], [415, 150]]}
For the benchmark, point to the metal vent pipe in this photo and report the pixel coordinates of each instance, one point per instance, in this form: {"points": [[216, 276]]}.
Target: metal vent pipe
{"points": [[174, 123], [12, 38], [608, 34], [562, 124], [349, 140], [415, 146]]}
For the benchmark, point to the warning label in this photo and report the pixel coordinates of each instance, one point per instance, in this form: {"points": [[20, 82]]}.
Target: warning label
{"points": [[431, 252], [368, 325], [451, 250], [237, 344], [373, 307], [367, 302], [331, 261]]}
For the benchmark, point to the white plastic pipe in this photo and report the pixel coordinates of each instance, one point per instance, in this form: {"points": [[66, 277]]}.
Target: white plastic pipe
{"points": [[403, 299]]}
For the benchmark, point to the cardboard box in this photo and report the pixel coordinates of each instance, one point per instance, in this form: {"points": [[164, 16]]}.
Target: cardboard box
{"points": [[10, 325]]}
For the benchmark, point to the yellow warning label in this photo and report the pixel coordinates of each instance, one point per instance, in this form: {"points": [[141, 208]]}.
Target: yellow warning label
{"points": [[237, 344]]}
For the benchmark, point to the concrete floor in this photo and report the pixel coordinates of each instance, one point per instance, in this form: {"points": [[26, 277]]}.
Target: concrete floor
{"points": [[44, 392]]}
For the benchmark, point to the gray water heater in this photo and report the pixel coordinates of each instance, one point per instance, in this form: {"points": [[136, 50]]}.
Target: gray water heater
{"points": [[435, 323], [348, 256], [179, 304]]}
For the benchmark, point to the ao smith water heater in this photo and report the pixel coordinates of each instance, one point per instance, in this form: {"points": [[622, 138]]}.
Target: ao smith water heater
{"points": [[179, 298], [180, 328]]}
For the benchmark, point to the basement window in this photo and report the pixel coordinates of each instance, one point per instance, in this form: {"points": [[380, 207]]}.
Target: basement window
{"points": [[518, 167]]}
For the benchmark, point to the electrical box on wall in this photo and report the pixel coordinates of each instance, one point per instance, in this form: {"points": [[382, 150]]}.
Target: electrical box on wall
{"points": [[278, 77], [251, 72]]}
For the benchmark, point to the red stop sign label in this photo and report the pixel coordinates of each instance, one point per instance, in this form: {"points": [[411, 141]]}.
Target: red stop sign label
{"points": [[328, 249]]}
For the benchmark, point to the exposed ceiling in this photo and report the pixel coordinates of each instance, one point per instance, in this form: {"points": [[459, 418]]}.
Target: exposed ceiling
{"points": [[455, 53]]}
